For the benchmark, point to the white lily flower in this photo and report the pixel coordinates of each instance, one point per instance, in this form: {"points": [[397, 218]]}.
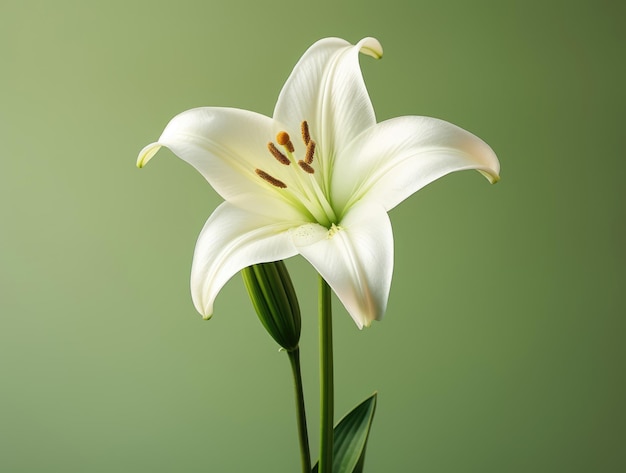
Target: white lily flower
{"points": [[317, 179]]}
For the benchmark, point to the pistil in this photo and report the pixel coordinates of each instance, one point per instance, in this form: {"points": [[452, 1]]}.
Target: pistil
{"points": [[283, 139], [305, 190]]}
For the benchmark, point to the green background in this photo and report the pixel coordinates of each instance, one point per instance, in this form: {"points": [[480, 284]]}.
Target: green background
{"points": [[502, 348]]}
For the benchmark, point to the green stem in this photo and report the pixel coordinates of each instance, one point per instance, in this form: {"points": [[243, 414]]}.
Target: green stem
{"points": [[326, 378], [294, 358]]}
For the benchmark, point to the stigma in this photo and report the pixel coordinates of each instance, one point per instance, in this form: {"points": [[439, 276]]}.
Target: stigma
{"points": [[298, 184]]}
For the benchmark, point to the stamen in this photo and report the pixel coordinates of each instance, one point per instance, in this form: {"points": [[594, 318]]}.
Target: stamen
{"points": [[280, 157], [306, 137], [306, 167], [272, 180], [284, 140], [310, 151]]}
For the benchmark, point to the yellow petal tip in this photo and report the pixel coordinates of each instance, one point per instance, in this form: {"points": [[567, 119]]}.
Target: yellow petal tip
{"points": [[371, 47], [146, 154], [492, 178], [207, 316]]}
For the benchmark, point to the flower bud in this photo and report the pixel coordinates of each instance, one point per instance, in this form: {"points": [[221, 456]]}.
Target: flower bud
{"points": [[274, 299]]}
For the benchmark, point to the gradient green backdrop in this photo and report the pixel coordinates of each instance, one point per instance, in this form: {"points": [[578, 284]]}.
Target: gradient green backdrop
{"points": [[502, 349]]}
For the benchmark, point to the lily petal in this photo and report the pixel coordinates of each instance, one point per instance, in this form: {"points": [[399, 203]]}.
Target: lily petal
{"points": [[226, 146], [356, 259], [348, 177], [326, 89], [397, 157], [231, 240]]}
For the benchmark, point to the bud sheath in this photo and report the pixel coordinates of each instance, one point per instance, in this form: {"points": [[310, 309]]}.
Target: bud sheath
{"points": [[274, 299]]}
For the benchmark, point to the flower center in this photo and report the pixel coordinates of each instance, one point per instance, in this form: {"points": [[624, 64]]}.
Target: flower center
{"points": [[299, 184]]}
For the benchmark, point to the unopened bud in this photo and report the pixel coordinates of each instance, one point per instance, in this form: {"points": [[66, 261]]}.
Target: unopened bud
{"points": [[274, 299]]}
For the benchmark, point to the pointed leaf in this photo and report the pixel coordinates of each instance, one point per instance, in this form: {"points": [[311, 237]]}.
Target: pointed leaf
{"points": [[351, 434]]}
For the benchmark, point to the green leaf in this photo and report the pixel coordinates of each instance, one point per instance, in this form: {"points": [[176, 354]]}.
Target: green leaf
{"points": [[350, 438]]}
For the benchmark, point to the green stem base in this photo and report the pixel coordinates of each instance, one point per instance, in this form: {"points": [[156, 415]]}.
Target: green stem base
{"points": [[305, 455], [326, 378]]}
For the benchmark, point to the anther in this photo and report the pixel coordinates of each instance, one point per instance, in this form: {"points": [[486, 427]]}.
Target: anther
{"points": [[280, 157], [306, 137], [283, 139], [310, 151], [272, 180], [306, 167]]}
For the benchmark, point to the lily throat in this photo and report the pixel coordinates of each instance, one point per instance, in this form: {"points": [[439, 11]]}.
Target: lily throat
{"points": [[297, 181]]}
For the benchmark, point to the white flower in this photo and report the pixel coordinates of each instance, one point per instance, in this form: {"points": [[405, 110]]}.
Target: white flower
{"points": [[317, 179]]}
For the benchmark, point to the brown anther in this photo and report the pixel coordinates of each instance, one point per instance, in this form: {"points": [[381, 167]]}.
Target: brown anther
{"points": [[306, 137], [280, 157], [272, 180], [306, 167], [310, 151]]}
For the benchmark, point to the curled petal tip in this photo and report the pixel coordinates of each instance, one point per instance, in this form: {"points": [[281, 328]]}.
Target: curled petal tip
{"points": [[491, 177], [371, 47], [207, 316], [146, 154]]}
